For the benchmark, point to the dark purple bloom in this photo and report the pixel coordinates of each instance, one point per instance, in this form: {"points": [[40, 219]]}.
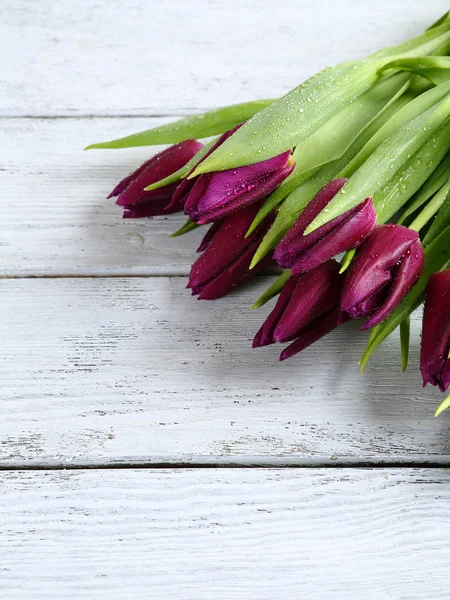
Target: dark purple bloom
{"points": [[215, 195], [302, 253], [185, 187], [383, 271], [306, 310], [435, 349], [226, 260], [140, 203]]}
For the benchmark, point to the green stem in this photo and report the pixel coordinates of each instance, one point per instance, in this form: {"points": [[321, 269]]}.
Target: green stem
{"points": [[431, 208]]}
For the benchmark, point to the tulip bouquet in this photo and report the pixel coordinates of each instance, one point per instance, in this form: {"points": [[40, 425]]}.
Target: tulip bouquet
{"points": [[344, 183]]}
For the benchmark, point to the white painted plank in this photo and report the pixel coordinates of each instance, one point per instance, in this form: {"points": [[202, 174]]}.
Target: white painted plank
{"points": [[55, 218], [217, 534], [141, 57], [98, 371]]}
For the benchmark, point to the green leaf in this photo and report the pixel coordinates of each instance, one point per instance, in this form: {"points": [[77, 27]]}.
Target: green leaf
{"points": [[420, 102], [424, 44], [430, 187], [188, 226], [347, 259], [273, 290], [442, 406], [445, 17], [332, 139], [181, 173], [203, 125], [436, 255], [299, 114], [405, 331], [441, 221], [434, 68], [397, 168], [299, 198], [431, 208]]}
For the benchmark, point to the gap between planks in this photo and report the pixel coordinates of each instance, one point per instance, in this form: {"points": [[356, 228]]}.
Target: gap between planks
{"points": [[176, 113], [225, 463]]}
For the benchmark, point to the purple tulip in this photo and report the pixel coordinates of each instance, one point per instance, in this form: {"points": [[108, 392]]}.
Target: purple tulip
{"points": [[214, 196], [140, 203], [383, 271], [306, 310], [435, 349], [180, 196], [226, 259], [301, 253]]}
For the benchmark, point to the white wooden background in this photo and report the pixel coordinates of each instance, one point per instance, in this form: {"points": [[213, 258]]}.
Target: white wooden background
{"points": [[145, 450]]}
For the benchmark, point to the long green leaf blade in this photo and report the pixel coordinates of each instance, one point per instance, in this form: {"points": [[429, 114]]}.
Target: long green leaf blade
{"points": [[430, 187], [418, 105], [441, 221], [434, 68], [203, 125], [296, 116], [388, 166], [332, 139], [299, 198]]}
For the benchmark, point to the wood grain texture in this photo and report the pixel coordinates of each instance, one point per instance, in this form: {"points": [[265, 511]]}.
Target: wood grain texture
{"points": [[216, 534], [98, 371], [55, 218], [138, 57]]}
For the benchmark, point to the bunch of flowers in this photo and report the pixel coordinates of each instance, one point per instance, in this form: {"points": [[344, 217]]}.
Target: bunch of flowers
{"points": [[344, 183]]}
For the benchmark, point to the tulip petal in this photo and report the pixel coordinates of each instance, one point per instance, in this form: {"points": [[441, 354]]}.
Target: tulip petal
{"points": [[231, 277], [313, 332], [224, 263], [209, 235], [157, 168], [264, 337], [184, 189], [315, 293], [405, 275], [374, 265], [436, 256], [216, 195], [350, 232], [434, 360]]}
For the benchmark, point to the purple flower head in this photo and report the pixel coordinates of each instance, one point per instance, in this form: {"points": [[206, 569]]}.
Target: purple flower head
{"points": [[227, 255], [301, 253], [306, 310], [214, 196], [185, 187], [140, 203], [434, 354], [383, 271]]}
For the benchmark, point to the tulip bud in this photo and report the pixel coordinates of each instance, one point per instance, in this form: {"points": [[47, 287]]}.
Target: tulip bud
{"points": [[213, 196], [140, 203], [435, 349], [301, 253], [227, 255], [306, 310], [182, 193], [383, 271]]}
